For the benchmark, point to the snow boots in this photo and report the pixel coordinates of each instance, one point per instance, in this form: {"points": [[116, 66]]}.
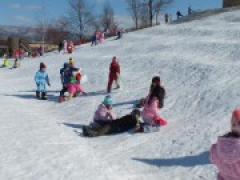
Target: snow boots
{"points": [[41, 96]]}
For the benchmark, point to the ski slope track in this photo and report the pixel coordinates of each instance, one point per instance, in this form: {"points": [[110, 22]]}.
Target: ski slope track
{"points": [[199, 66]]}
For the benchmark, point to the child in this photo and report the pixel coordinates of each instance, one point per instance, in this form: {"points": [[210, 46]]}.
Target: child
{"points": [[105, 113], [152, 105], [225, 154], [114, 74], [41, 79], [6, 62], [16, 64], [155, 82], [74, 87], [105, 121]]}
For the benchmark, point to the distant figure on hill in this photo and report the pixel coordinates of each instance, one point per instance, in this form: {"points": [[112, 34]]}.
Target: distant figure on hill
{"points": [[94, 39], [179, 14], [166, 18], [190, 11], [119, 34], [6, 63], [225, 154], [60, 46], [65, 44]]}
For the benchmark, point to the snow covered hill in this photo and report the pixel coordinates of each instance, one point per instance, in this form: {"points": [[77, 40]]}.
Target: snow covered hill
{"points": [[199, 66]]}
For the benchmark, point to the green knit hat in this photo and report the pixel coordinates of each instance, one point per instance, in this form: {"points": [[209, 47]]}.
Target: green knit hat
{"points": [[108, 100]]}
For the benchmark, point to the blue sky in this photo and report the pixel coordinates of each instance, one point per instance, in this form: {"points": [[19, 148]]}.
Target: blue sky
{"points": [[25, 12]]}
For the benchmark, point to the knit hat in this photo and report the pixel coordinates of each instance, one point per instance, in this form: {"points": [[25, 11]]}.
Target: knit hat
{"points": [[236, 114], [108, 101], [71, 61], [42, 65]]}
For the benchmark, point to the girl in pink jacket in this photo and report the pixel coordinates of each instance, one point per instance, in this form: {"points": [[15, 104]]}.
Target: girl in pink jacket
{"points": [[152, 105], [225, 154]]}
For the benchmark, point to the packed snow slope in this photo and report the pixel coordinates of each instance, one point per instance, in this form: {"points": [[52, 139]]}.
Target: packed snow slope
{"points": [[199, 66]]}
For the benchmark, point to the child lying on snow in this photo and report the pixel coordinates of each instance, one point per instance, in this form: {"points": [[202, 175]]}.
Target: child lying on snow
{"points": [[225, 154]]}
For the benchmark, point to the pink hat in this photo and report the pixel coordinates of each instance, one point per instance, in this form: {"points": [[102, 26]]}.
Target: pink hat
{"points": [[236, 114]]}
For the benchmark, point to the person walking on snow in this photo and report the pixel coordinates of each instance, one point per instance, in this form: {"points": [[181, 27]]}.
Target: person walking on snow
{"points": [[225, 154], [65, 45], [42, 80], [114, 74]]}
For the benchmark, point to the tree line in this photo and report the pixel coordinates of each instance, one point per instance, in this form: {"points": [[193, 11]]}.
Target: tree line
{"points": [[82, 20]]}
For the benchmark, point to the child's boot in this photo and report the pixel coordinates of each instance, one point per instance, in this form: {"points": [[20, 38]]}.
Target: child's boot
{"points": [[38, 94], [44, 96]]}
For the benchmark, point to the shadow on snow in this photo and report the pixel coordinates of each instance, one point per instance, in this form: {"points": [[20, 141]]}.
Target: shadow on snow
{"points": [[186, 161]]}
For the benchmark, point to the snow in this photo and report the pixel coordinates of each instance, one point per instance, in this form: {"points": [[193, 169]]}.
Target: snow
{"points": [[199, 66]]}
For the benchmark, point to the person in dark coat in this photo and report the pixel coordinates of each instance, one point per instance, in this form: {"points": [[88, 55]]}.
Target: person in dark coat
{"points": [[179, 14], [128, 122]]}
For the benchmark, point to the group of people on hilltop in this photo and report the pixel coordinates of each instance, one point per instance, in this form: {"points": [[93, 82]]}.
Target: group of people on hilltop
{"points": [[98, 38], [66, 47]]}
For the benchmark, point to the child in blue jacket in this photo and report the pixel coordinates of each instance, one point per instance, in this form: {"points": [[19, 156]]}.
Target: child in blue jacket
{"points": [[42, 80]]}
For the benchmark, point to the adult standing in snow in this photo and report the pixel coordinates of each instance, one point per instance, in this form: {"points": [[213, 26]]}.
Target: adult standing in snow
{"points": [[65, 44], [166, 18], [42, 80], [60, 46], [114, 74], [190, 10], [94, 39], [225, 153], [179, 14], [152, 105], [102, 37]]}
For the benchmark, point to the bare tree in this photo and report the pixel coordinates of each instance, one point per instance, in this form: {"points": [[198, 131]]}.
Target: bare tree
{"points": [[134, 7], [154, 7], [43, 23], [107, 19], [80, 16], [159, 5], [58, 31]]}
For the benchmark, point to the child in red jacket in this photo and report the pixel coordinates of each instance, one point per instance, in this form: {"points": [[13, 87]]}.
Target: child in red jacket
{"points": [[114, 74]]}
